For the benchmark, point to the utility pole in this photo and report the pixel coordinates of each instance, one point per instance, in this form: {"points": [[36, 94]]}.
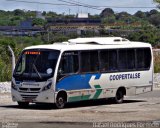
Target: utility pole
{"points": [[69, 11]]}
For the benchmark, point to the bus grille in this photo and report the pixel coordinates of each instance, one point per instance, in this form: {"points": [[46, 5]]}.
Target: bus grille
{"points": [[29, 90]]}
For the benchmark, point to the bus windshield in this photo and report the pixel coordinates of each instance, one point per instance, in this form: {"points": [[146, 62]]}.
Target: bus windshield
{"points": [[36, 65]]}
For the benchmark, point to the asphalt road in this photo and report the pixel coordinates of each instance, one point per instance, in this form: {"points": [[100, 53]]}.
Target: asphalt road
{"points": [[137, 111]]}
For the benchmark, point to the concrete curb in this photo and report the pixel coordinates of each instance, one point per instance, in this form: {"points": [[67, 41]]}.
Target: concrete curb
{"points": [[5, 87]]}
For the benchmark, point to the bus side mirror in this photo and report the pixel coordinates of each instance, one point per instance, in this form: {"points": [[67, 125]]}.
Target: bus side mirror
{"points": [[13, 58]]}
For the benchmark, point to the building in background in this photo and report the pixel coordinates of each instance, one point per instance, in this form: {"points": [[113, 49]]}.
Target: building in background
{"points": [[73, 25], [25, 28], [82, 15]]}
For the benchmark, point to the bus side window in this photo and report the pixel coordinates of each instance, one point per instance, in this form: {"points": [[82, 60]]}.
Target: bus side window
{"points": [[122, 62], [113, 60], [89, 61], [147, 58], [131, 62], [108, 60], [126, 60], [104, 61], [69, 63], [143, 58], [140, 58]]}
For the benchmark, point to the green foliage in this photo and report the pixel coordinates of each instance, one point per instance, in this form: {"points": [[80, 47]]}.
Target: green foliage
{"points": [[109, 20], [145, 36], [156, 63], [5, 66], [107, 12], [38, 21], [51, 14], [5, 72], [155, 19], [30, 14], [140, 14], [18, 12], [17, 44], [157, 1], [59, 38]]}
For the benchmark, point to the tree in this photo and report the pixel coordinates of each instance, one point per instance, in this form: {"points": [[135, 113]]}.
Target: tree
{"points": [[5, 63], [30, 14], [18, 12], [144, 36], [153, 11], [44, 13], [107, 12], [155, 19], [52, 14], [140, 14], [110, 20], [157, 1], [122, 16], [39, 21]]}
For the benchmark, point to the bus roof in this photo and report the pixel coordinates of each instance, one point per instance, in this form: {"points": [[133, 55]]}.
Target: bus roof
{"points": [[92, 43]]}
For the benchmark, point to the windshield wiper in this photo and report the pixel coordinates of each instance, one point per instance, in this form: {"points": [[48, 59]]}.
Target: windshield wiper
{"points": [[34, 67]]}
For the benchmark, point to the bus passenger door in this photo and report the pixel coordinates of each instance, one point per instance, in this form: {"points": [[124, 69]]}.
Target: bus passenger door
{"points": [[68, 71]]}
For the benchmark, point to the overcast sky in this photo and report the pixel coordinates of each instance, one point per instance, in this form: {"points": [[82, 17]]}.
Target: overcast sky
{"points": [[11, 5]]}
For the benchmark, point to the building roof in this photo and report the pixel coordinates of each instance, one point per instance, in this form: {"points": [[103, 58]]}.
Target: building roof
{"points": [[18, 28], [73, 20], [82, 15]]}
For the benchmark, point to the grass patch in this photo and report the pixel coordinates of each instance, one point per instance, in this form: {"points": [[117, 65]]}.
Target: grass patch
{"points": [[156, 62]]}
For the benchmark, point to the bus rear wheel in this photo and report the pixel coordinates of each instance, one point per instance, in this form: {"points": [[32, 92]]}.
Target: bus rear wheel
{"points": [[60, 101], [23, 104], [119, 97]]}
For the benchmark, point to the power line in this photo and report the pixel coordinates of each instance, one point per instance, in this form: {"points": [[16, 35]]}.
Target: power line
{"points": [[123, 7], [114, 6], [88, 5], [60, 4], [32, 2], [75, 3], [100, 7], [83, 5]]}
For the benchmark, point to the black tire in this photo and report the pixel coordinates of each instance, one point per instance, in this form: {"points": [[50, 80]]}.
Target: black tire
{"points": [[119, 97], [23, 104], [60, 101]]}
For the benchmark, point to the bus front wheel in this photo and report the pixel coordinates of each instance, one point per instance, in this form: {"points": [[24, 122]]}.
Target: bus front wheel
{"points": [[23, 104], [61, 100]]}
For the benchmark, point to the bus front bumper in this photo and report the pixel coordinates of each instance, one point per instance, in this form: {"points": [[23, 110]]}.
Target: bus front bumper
{"points": [[41, 97]]}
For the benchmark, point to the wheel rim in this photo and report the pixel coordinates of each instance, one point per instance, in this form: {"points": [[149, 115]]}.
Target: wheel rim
{"points": [[60, 102]]}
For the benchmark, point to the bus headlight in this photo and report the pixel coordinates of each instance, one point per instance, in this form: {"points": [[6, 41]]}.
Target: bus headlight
{"points": [[47, 87], [13, 86]]}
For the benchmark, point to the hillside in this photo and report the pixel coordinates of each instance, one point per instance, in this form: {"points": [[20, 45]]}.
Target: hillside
{"points": [[142, 26]]}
